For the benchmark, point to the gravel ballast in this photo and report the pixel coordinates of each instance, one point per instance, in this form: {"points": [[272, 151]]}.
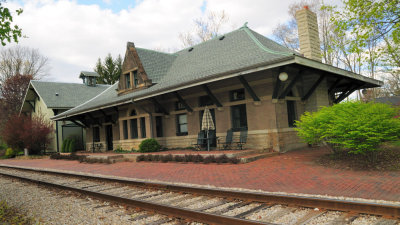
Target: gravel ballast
{"points": [[55, 207]]}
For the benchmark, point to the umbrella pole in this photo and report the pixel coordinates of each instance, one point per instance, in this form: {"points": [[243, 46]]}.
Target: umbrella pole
{"points": [[208, 142]]}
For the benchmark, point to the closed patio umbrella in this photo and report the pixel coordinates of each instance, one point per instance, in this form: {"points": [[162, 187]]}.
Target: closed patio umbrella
{"points": [[207, 124]]}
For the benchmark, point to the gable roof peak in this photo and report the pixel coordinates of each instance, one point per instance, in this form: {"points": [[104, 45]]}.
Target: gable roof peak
{"points": [[244, 25], [130, 45]]}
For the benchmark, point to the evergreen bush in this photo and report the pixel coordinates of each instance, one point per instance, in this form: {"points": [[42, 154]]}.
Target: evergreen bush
{"points": [[355, 127], [71, 146], [64, 145], [149, 145]]}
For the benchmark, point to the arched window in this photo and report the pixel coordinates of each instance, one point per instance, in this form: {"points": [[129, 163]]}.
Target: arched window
{"points": [[133, 113]]}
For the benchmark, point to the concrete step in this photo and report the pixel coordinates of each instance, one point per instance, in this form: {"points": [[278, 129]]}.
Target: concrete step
{"points": [[254, 157]]}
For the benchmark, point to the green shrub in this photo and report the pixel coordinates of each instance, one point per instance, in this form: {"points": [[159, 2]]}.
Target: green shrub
{"points": [[149, 145], [355, 127], [10, 153], [65, 144], [71, 146]]}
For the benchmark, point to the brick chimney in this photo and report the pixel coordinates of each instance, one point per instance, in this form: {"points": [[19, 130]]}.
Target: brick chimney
{"points": [[308, 34]]}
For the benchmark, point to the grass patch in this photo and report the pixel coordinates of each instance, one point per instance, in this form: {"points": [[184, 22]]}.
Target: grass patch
{"points": [[10, 215]]}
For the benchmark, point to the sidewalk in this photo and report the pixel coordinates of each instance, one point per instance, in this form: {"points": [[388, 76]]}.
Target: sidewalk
{"points": [[293, 172]]}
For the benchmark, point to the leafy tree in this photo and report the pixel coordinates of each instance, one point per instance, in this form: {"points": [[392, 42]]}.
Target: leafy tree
{"points": [[205, 28], [355, 127], [22, 131], [13, 93], [109, 70], [375, 26], [22, 60], [8, 32]]}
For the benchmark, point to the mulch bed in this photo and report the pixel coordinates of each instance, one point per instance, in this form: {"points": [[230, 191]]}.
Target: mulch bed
{"points": [[388, 159]]}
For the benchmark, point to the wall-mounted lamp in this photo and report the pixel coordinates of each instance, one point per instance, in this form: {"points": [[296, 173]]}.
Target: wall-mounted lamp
{"points": [[283, 76], [364, 91]]}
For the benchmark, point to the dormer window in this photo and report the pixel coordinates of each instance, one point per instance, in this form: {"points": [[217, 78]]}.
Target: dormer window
{"points": [[131, 79], [135, 78], [128, 80]]}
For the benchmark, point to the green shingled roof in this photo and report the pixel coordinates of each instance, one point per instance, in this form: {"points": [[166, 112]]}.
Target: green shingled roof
{"points": [[239, 50], [68, 95], [156, 64]]}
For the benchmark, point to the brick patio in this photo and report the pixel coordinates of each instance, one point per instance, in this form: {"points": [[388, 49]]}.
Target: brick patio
{"points": [[293, 172]]}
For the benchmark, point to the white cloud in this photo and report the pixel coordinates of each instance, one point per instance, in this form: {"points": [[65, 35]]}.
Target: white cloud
{"points": [[74, 36]]}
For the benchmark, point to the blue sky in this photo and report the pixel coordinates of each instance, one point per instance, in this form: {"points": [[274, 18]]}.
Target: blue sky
{"points": [[114, 5], [118, 5]]}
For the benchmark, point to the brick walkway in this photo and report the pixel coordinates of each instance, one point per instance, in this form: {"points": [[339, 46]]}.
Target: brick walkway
{"points": [[293, 172]]}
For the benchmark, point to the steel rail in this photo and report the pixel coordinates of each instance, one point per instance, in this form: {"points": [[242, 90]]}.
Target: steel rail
{"points": [[389, 210], [178, 212]]}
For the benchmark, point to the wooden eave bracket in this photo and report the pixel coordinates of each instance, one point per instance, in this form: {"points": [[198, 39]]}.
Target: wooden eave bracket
{"points": [[291, 84], [34, 92], [211, 95], [32, 104], [183, 102], [350, 89], [95, 120], [140, 107], [105, 115], [78, 124], [334, 85], [248, 88], [313, 87], [163, 110]]}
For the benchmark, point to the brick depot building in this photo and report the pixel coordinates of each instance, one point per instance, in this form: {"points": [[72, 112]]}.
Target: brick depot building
{"points": [[247, 80]]}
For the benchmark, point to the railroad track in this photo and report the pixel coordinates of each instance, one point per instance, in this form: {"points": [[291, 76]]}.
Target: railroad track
{"points": [[213, 206]]}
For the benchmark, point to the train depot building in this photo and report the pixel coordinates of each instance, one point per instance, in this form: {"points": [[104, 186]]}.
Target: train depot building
{"points": [[248, 82]]}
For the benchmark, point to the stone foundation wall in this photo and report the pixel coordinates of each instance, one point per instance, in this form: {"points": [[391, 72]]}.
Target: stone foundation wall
{"points": [[288, 140], [283, 141]]}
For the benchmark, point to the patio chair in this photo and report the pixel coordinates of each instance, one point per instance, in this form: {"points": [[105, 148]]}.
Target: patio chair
{"points": [[242, 139], [228, 140], [200, 141]]}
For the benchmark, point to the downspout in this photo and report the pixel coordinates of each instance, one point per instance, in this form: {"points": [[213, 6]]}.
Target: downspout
{"points": [[58, 148]]}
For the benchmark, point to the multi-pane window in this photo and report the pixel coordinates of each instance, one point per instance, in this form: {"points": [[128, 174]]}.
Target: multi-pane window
{"points": [[134, 129], [143, 127], [96, 134], [237, 95], [159, 127], [125, 128], [179, 106], [181, 125], [128, 80], [135, 78], [239, 117], [291, 112]]}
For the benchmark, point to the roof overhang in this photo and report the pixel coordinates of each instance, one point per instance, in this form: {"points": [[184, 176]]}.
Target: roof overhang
{"points": [[291, 60], [336, 71]]}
